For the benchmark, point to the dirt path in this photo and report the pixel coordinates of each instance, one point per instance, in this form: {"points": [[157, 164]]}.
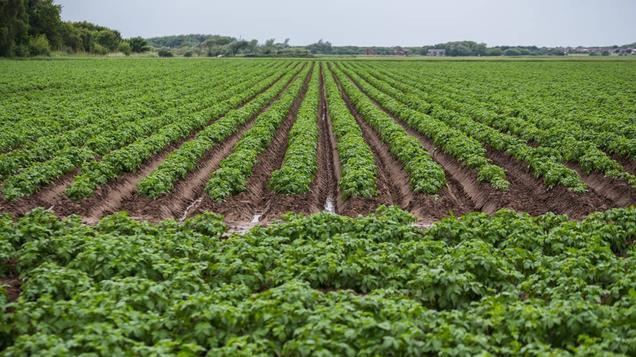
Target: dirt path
{"points": [[108, 198], [526, 193], [48, 197], [628, 165], [323, 192], [326, 185]]}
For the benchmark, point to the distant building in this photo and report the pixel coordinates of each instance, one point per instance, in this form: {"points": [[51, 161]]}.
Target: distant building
{"points": [[399, 51], [623, 51], [436, 52], [369, 51]]}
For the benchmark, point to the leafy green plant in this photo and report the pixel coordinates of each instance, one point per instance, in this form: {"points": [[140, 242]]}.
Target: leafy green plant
{"points": [[324, 284], [300, 162]]}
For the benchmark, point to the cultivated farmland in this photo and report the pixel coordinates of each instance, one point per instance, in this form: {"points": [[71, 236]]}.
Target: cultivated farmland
{"points": [[252, 139], [438, 207]]}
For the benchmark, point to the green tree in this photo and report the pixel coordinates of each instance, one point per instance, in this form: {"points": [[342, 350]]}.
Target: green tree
{"points": [[39, 46], [72, 37], [44, 18], [323, 47], [138, 44], [512, 52], [14, 27], [109, 39], [125, 48]]}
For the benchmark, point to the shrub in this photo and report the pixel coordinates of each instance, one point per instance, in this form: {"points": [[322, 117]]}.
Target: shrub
{"points": [[39, 46], [165, 53], [99, 49], [124, 47]]}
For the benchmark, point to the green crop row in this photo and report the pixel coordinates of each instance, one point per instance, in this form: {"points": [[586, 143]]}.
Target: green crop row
{"points": [[425, 175], [32, 178], [234, 171], [465, 149], [131, 157], [357, 164], [145, 115], [561, 139], [415, 104], [300, 162], [183, 160]]}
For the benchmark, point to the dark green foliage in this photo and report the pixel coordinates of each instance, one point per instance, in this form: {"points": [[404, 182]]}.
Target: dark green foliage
{"points": [[35, 27], [138, 44], [44, 19], [300, 162], [14, 26], [165, 53], [506, 284]]}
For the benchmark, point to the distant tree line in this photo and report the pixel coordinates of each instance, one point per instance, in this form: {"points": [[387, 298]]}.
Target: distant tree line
{"points": [[456, 48], [217, 45], [35, 27]]}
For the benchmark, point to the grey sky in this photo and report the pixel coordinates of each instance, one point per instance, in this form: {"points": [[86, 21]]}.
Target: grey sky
{"points": [[372, 22]]}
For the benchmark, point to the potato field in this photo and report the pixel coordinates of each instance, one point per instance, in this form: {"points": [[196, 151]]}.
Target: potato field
{"points": [[317, 207]]}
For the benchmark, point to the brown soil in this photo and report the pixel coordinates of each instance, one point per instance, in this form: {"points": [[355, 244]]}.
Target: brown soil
{"points": [[620, 193], [455, 198], [392, 180], [258, 200], [628, 165], [463, 191], [12, 287], [528, 193], [48, 197], [109, 198], [328, 160], [11, 282]]}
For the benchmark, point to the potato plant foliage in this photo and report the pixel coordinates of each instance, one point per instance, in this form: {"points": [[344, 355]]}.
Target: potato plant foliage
{"points": [[505, 284]]}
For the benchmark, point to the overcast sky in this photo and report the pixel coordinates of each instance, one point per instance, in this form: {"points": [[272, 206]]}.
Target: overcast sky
{"points": [[372, 22]]}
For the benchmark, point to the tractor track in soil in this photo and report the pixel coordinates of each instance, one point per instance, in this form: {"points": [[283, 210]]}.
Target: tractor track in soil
{"points": [[257, 204], [188, 194], [328, 160], [462, 193], [48, 197], [529, 194], [628, 165]]}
